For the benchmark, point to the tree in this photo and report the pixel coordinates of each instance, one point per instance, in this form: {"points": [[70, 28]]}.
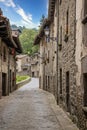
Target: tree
{"points": [[42, 20], [27, 39], [13, 26]]}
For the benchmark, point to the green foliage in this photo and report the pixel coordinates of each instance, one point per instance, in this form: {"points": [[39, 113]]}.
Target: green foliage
{"points": [[27, 39], [21, 78]]}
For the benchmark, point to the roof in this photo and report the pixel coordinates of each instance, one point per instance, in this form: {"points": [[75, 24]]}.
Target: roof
{"points": [[46, 22], [5, 31], [6, 34], [18, 44]]}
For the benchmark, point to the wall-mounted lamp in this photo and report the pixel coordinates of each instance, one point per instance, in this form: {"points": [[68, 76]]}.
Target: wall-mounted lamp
{"points": [[47, 34]]}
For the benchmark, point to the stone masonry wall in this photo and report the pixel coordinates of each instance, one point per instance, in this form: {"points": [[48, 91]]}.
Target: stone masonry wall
{"points": [[66, 57]]}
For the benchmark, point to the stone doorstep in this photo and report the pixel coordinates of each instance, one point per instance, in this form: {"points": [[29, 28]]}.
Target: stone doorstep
{"points": [[64, 121]]}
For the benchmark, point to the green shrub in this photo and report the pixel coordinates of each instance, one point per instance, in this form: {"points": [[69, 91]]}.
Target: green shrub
{"points": [[21, 78]]}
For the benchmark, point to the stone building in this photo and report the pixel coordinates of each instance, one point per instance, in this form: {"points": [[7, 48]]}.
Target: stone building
{"points": [[67, 88], [72, 60], [23, 64], [63, 63], [28, 65], [9, 45], [81, 62], [35, 65], [48, 53]]}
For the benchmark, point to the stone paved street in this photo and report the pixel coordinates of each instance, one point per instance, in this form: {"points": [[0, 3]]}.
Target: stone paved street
{"points": [[32, 109]]}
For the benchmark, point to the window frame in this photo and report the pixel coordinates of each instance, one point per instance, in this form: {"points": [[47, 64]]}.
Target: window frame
{"points": [[4, 54], [60, 2], [61, 37], [67, 26]]}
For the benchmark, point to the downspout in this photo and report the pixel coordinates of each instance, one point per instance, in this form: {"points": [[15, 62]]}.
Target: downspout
{"points": [[8, 71], [14, 80], [57, 47], [1, 68]]}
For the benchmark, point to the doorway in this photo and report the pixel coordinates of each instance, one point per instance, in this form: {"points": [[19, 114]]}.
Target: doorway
{"points": [[67, 92], [85, 89], [10, 81], [4, 84], [33, 74]]}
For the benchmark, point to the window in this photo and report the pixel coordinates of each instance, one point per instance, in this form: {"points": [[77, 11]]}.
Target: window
{"points": [[60, 43], [60, 2], [4, 54], [67, 26], [67, 21]]}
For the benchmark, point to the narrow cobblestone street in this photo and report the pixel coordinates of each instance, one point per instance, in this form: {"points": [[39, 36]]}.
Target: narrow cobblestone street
{"points": [[30, 108]]}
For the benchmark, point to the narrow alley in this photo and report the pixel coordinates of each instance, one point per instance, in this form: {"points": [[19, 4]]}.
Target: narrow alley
{"points": [[30, 108]]}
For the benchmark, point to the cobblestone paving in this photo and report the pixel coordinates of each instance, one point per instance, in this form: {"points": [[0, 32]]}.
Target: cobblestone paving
{"points": [[28, 109]]}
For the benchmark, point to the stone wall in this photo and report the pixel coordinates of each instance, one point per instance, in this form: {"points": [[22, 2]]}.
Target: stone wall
{"points": [[20, 84], [70, 58], [7, 70], [66, 57]]}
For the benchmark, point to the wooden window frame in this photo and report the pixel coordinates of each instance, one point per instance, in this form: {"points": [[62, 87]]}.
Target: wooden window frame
{"points": [[60, 44], [60, 2], [67, 26], [4, 54]]}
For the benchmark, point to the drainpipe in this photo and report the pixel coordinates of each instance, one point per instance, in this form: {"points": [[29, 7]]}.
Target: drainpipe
{"points": [[8, 71], [1, 68], [57, 47], [15, 72]]}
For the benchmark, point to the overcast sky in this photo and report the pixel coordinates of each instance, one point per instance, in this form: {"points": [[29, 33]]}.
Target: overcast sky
{"points": [[24, 12]]}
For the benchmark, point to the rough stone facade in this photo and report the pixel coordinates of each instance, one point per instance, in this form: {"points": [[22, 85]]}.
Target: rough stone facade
{"points": [[72, 60], [35, 65], [28, 65], [23, 66], [48, 53], [7, 70], [4, 68], [66, 73], [42, 64], [81, 62], [66, 55], [9, 45], [48, 64]]}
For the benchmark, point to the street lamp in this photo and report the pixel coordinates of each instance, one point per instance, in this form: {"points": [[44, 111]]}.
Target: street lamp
{"points": [[47, 34]]}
